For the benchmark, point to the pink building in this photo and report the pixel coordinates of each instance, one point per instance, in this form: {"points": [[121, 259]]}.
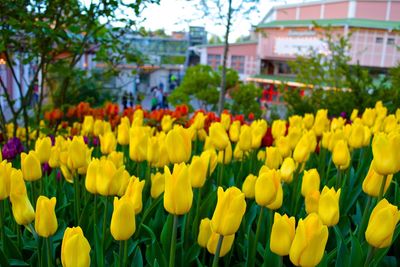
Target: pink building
{"points": [[287, 31]]}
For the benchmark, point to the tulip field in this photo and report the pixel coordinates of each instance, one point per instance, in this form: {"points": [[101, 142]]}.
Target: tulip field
{"points": [[100, 187]]}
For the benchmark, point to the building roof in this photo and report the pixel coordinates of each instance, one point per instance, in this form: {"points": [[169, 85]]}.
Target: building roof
{"points": [[356, 23], [222, 44]]}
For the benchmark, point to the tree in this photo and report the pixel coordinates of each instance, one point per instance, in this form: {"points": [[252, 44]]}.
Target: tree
{"points": [[201, 82], [244, 100], [44, 33], [225, 13]]}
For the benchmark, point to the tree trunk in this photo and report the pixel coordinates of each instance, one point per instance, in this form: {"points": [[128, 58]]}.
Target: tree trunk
{"points": [[221, 100]]}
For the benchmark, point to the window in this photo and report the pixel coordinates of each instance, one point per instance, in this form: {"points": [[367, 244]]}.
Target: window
{"points": [[379, 40], [214, 61], [237, 63], [390, 41]]}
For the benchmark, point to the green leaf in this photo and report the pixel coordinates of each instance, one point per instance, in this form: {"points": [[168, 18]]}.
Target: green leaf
{"points": [[166, 234], [137, 258], [356, 252], [3, 259]]}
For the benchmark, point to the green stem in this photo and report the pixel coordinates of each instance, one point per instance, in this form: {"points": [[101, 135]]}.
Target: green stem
{"points": [[328, 170], [197, 215], [252, 257], [294, 192], [364, 219], [125, 257], [338, 179], [95, 212], [2, 227], [104, 226], [280, 263], [216, 256], [370, 254], [33, 193], [173, 242], [76, 195], [269, 228], [49, 257], [121, 252], [382, 189]]}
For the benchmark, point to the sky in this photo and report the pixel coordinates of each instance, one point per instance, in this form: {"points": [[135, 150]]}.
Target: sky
{"points": [[178, 15]]}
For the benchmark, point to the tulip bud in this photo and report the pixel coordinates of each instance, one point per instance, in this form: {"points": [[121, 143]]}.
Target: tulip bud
{"points": [[354, 114], [30, 166], [179, 145], [267, 187], [308, 121], [43, 149], [385, 149], [226, 245], [381, 225], [294, 135], [204, 232], [310, 182], [356, 138], [108, 178], [245, 138], [341, 155], [287, 169], [5, 173], [321, 123], [108, 143], [77, 153], [178, 194], [21, 206], [153, 150], [198, 170], [87, 125], [123, 219], [213, 159], [295, 121], [199, 120], [373, 181], [138, 143], [226, 120], [328, 208], [249, 186], [368, 117], [260, 155], [273, 158], [302, 150], [134, 193], [45, 220], [75, 249], [166, 123], [258, 130], [309, 242], [218, 136], [312, 202], [157, 184], [229, 211], [54, 160], [284, 147], [117, 158], [234, 131], [282, 234], [225, 156], [123, 134]]}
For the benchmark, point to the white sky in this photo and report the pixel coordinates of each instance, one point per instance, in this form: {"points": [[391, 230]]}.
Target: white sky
{"points": [[178, 15]]}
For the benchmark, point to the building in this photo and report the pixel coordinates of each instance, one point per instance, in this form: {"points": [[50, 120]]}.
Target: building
{"points": [[288, 30]]}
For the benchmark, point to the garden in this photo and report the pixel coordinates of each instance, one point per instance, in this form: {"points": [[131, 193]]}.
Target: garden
{"points": [[173, 188]]}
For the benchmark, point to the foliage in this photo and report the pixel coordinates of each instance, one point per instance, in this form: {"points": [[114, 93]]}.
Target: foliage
{"points": [[201, 82], [244, 100], [327, 79]]}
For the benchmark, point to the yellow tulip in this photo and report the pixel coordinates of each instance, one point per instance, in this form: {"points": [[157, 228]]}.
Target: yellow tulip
{"points": [[267, 187], [178, 194], [287, 169], [54, 160], [273, 158], [278, 128], [199, 120], [117, 158], [367, 136], [198, 170], [153, 150], [321, 123], [213, 159], [77, 153], [30, 166], [108, 143], [21, 206], [204, 232], [138, 117], [138, 137], [294, 136], [234, 131], [123, 134], [308, 121], [341, 155], [5, 174], [258, 130], [309, 242], [260, 155], [381, 225], [373, 181], [277, 203], [157, 184], [284, 147], [282, 234], [43, 149], [45, 220], [75, 249], [226, 121], [87, 125], [226, 245], [124, 182], [357, 137], [134, 193], [311, 201], [249, 186], [179, 145], [229, 211], [108, 178], [245, 139], [123, 224], [337, 123], [166, 123], [225, 156], [368, 117], [389, 123], [295, 121], [354, 114], [218, 136], [328, 208], [163, 158], [302, 150], [385, 149], [310, 182]]}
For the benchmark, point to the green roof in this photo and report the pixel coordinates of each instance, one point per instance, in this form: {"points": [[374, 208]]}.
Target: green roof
{"points": [[275, 77], [357, 23]]}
